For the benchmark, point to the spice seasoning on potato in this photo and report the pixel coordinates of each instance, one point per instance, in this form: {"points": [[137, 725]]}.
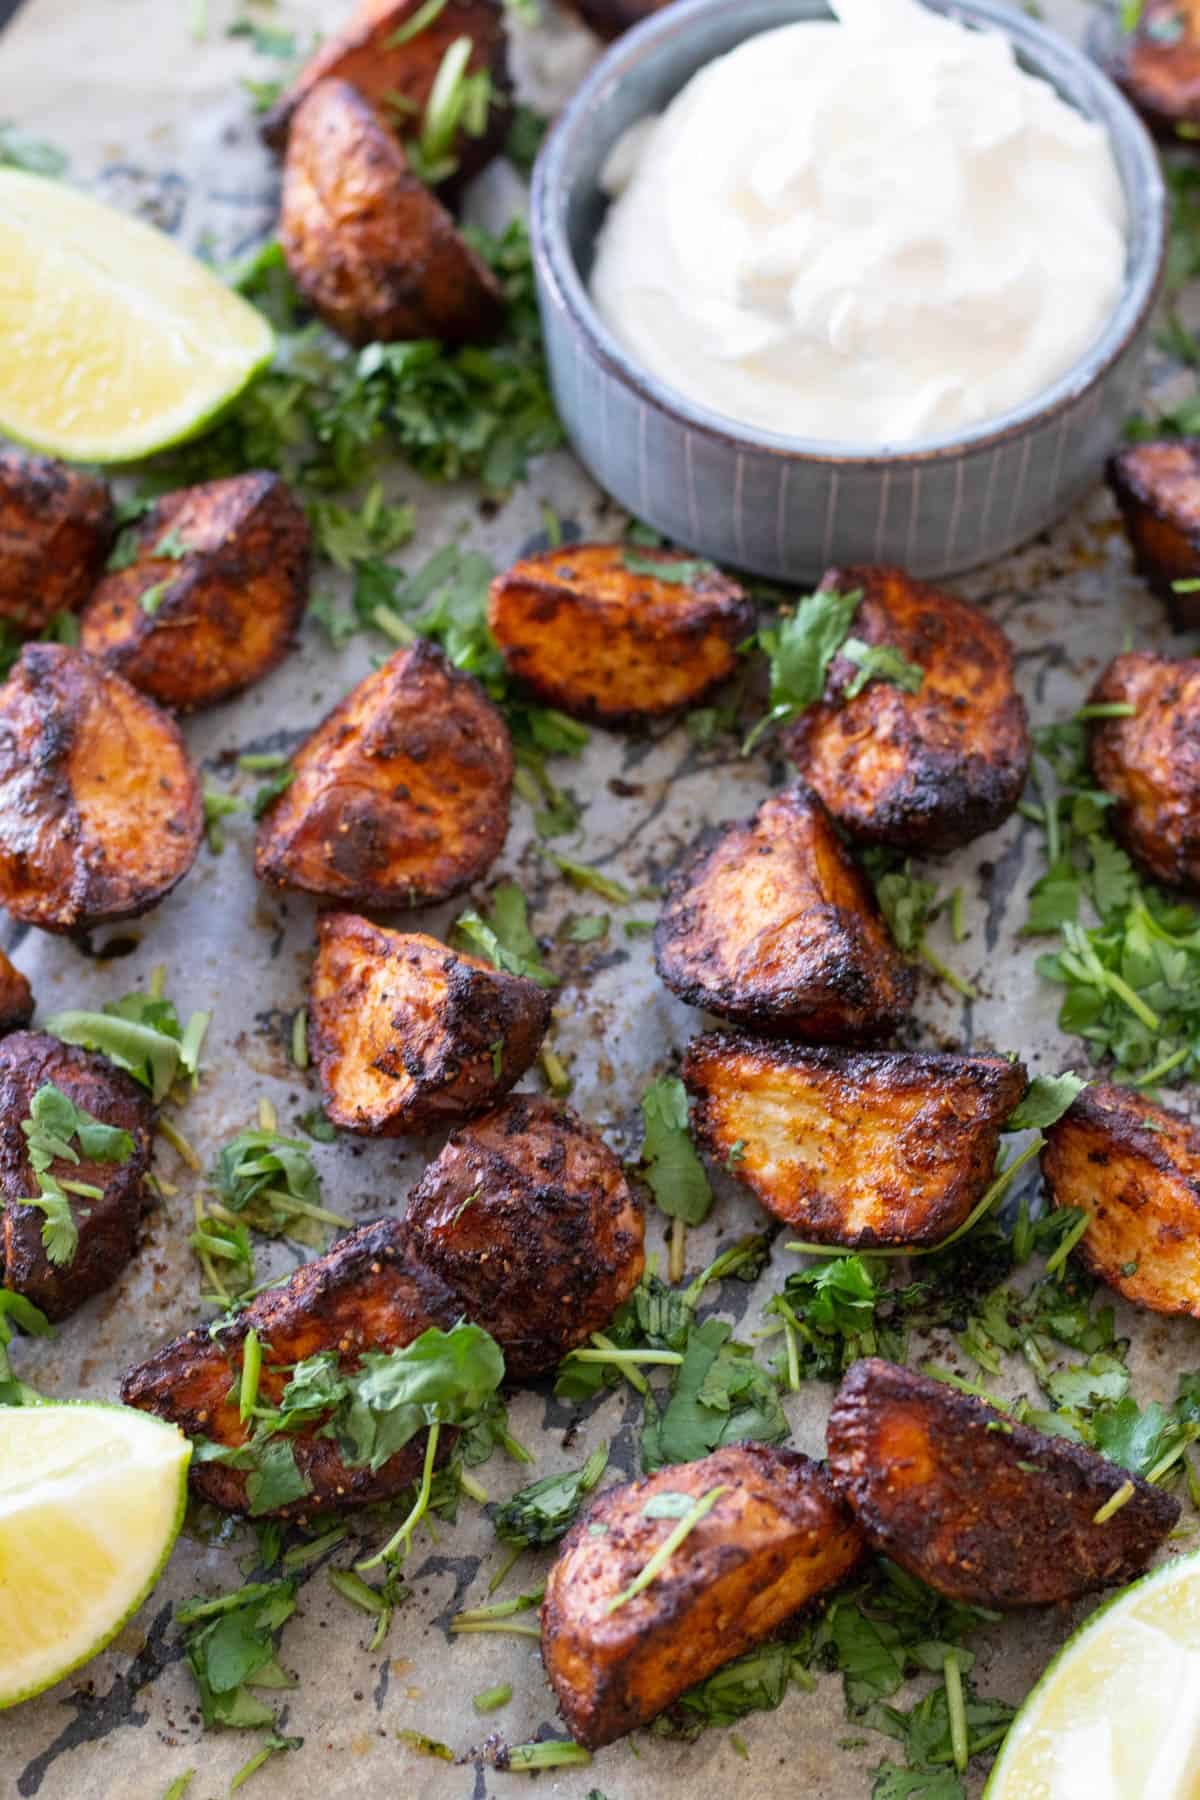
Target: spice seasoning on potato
{"points": [[612, 634], [1134, 1168], [408, 1034], [367, 243], [983, 1509], [923, 770], [16, 997], [401, 795], [1157, 63], [853, 1147], [100, 807], [1157, 487], [210, 601], [770, 924], [1149, 761], [776, 1535], [56, 526]]}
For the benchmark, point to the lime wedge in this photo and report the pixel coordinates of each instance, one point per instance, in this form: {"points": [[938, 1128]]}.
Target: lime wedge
{"points": [[113, 341], [1116, 1716], [91, 1501]]}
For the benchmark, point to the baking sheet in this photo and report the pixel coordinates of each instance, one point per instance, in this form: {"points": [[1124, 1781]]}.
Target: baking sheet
{"points": [[157, 123]]}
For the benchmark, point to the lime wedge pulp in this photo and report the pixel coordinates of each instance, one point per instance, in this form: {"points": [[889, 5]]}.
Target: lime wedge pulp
{"points": [[1116, 1716], [91, 1501], [114, 342]]}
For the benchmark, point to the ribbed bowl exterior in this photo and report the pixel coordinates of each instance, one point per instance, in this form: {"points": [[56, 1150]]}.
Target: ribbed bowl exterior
{"points": [[781, 507]]}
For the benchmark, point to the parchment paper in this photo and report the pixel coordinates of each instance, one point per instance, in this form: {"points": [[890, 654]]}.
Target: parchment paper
{"points": [[158, 124]]}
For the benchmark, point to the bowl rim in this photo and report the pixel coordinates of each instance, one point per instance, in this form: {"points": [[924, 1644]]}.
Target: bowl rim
{"points": [[1053, 55]]}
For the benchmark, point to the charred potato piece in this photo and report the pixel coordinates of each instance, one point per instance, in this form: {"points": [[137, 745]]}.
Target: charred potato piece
{"points": [[1134, 1168], [609, 18], [108, 1227], [407, 1034], [56, 526], [214, 593], [367, 1293], [777, 1536], [367, 243], [1158, 65], [401, 794], [100, 808], [1150, 762], [16, 997], [398, 77], [602, 641], [770, 924], [853, 1147], [983, 1509], [927, 771], [1157, 487], [527, 1216]]}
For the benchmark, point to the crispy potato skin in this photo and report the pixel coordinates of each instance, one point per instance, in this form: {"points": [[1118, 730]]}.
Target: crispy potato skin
{"points": [[769, 923], [232, 601], [362, 55], [108, 1227], [1157, 487], [981, 1508], [853, 1147], [927, 771], [401, 794], [100, 808], [1134, 1167], [367, 1293], [588, 635], [408, 1034], [56, 526], [16, 997], [1158, 65], [550, 1243], [609, 18], [368, 244], [1150, 763], [778, 1536]]}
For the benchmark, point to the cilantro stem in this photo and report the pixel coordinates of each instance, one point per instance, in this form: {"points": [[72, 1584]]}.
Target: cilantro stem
{"points": [[1047, 786], [958, 920], [251, 1372], [300, 1555], [1164, 1067], [514, 1448], [412, 27], [556, 1753], [158, 981], [358, 1592], [956, 1708], [206, 1263], [286, 1202], [473, 1489], [260, 762], [178, 1143], [1116, 1500], [1168, 1461], [558, 1077], [667, 1548], [419, 1507], [1105, 709], [677, 1256], [500, 1626], [501, 1609], [944, 972], [506, 1566], [492, 1699], [1059, 1255], [300, 1037], [84, 1188]]}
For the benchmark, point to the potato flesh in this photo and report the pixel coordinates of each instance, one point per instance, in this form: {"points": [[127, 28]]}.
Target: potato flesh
{"points": [[226, 609], [853, 1147], [1157, 487], [776, 1537], [983, 1509], [601, 641], [56, 525], [1134, 1168], [100, 808], [407, 1034], [1150, 762], [772, 926]]}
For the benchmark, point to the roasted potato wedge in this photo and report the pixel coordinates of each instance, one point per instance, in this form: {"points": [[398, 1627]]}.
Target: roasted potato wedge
{"points": [[1134, 1168], [407, 1034], [602, 641], [213, 595], [370, 247], [927, 771], [777, 1536], [609, 18], [770, 924], [108, 1227], [100, 808], [398, 77], [527, 1216], [56, 527], [1150, 762], [981, 1508], [366, 1293], [1157, 487], [401, 794], [1158, 65], [854, 1147], [16, 997]]}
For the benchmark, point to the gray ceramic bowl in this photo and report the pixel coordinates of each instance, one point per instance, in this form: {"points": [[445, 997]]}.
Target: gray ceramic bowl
{"points": [[790, 507]]}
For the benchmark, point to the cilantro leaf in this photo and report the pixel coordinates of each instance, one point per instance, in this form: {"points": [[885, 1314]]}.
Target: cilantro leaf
{"points": [[140, 1033], [1045, 1101], [719, 1395], [800, 648], [673, 1169], [504, 939], [879, 662], [675, 571], [542, 1513], [53, 1121], [271, 1182], [230, 1642]]}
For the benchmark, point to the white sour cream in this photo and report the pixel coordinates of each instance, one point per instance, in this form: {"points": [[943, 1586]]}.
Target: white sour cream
{"points": [[875, 231]]}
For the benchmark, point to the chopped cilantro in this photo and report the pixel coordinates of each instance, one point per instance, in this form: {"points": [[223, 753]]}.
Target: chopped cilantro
{"points": [[504, 938], [719, 1395], [53, 1121], [18, 1313], [218, 806], [673, 1168], [674, 571], [231, 1646], [911, 905], [141, 1033], [800, 648], [270, 790], [19, 150], [1045, 1101], [541, 1513], [879, 662], [270, 1182], [582, 875]]}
